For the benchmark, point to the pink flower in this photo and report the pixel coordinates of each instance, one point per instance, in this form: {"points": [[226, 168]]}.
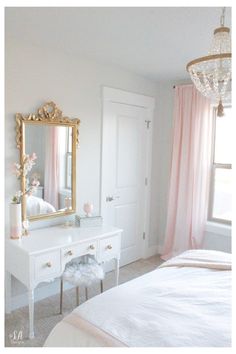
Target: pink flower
{"points": [[16, 170], [22, 170], [35, 183], [33, 156]]}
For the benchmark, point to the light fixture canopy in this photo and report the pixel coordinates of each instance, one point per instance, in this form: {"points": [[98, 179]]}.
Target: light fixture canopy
{"points": [[211, 74]]}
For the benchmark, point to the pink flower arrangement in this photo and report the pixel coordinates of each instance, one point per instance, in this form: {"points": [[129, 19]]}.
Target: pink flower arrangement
{"points": [[28, 163], [21, 170]]}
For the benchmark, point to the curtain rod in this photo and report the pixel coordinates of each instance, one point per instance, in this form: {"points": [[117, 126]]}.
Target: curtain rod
{"points": [[184, 84]]}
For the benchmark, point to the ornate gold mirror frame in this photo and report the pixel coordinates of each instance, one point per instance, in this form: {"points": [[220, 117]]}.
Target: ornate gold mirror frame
{"points": [[48, 114]]}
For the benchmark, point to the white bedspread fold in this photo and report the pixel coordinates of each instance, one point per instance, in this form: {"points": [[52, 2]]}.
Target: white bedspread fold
{"points": [[201, 259]]}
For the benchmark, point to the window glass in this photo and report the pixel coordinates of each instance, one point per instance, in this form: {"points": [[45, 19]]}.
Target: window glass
{"points": [[223, 138], [222, 203]]}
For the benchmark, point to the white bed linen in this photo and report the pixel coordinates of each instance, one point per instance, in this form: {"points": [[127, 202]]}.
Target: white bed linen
{"points": [[37, 206], [172, 306]]}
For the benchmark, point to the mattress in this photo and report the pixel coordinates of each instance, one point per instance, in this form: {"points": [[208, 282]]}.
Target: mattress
{"points": [[186, 302]]}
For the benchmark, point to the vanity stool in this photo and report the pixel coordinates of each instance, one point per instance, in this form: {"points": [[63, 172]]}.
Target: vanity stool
{"points": [[84, 273]]}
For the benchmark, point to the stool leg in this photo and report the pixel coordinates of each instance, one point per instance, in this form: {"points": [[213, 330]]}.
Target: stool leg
{"points": [[77, 296], [61, 294], [101, 283], [86, 293]]}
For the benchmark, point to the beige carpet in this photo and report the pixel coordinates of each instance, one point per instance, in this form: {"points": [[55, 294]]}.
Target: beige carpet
{"points": [[47, 311]]}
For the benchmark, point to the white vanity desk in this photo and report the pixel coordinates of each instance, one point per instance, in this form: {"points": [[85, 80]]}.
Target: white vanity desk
{"points": [[42, 256]]}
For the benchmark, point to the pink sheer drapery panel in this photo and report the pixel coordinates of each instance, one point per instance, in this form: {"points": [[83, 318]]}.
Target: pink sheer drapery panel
{"points": [[52, 161], [190, 172]]}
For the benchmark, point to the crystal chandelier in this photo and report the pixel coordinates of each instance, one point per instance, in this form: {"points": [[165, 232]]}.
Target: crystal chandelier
{"points": [[211, 74]]}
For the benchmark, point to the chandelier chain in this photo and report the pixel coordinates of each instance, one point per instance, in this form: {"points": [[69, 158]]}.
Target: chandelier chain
{"points": [[222, 18]]}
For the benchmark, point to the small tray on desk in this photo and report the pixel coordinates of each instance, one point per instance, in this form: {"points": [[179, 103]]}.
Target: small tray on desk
{"points": [[88, 221]]}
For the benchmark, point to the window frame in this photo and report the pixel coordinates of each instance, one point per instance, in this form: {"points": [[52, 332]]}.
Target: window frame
{"points": [[214, 166]]}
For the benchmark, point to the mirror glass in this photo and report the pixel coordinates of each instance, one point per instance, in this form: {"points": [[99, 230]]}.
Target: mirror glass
{"points": [[52, 170]]}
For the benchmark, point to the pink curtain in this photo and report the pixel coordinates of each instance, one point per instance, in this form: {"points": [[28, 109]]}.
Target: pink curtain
{"points": [[190, 172], [51, 175]]}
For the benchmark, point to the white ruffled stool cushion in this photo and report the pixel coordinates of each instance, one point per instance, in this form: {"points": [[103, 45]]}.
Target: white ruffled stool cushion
{"points": [[83, 274]]}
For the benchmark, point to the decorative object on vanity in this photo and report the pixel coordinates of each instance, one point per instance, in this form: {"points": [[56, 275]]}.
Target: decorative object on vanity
{"points": [[88, 209], [67, 203], [82, 273], [68, 223], [85, 221], [22, 170], [15, 221], [25, 225], [211, 74], [54, 138], [28, 161]]}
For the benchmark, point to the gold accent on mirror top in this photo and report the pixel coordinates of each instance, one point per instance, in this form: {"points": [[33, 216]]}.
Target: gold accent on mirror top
{"points": [[49, 114]]}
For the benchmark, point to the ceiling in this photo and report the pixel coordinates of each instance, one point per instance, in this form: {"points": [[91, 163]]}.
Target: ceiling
{"points": [[155, 42]]}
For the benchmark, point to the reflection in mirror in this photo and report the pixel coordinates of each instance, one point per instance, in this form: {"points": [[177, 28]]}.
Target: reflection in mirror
{"points": [[53, 147]]}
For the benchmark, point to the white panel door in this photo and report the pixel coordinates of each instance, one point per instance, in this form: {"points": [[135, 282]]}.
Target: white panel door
{"points": [[123, 174]]}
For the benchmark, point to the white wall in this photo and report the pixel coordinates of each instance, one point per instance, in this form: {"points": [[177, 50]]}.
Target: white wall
{"points": [[161, 162], [36, 75], [218, 237]]}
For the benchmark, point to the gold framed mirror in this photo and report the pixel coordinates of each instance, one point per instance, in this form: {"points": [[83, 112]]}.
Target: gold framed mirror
{"points": [[49, 188]]}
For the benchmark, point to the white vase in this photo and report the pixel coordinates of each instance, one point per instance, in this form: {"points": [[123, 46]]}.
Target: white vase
{"points": [[15, 221]]}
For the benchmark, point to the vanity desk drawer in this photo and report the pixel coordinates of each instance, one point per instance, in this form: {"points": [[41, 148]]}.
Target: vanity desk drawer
{"points": [[82, 249], [109, 247], [47, 264]]}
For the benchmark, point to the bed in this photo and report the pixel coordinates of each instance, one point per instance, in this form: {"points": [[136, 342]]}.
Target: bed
{"points": [[186, 302], [36, 205]]}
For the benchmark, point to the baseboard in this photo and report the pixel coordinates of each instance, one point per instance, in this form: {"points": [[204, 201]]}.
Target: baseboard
{"points": [[160, 249], [151, 251], [40, 293]]}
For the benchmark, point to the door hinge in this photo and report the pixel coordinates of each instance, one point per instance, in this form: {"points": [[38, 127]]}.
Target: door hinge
{"points": [[148, 123], [146, 181], [144, 235]]}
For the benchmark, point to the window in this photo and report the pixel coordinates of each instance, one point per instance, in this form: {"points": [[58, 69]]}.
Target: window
{"points": [[220, 204]]}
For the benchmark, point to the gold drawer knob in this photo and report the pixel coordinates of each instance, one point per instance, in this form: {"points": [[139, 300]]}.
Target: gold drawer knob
{"points": [[109, 247], [92, 247], [70, 253], [49, 264]]}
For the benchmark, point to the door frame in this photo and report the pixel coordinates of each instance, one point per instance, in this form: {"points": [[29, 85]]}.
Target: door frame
{"points": [[113, 95]]}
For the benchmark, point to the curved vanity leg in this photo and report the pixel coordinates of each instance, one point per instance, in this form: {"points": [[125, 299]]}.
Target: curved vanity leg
{"points": [[61, 295], [117, 270], [31, 313], [86, 293], [77, 296], [8, 292]]}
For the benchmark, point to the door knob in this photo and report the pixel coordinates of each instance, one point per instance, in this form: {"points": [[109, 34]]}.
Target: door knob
{"points": [[110, 199]]}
